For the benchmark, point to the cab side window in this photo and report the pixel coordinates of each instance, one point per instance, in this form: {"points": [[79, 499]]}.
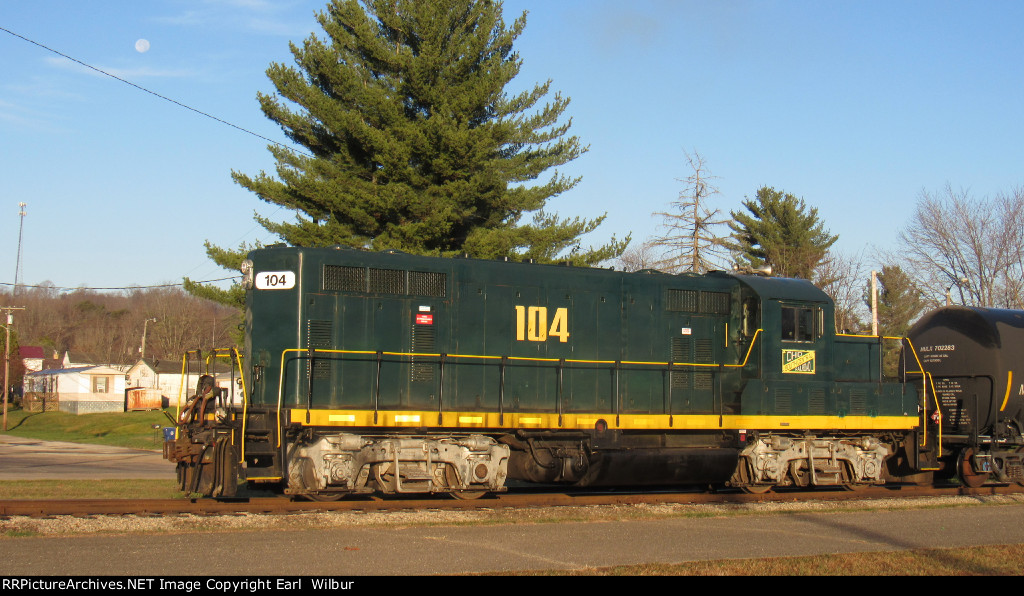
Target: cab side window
{"points": [[797, 323]]}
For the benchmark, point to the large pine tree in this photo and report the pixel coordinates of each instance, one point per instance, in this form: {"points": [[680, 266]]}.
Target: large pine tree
{"points": [[410, 141], [779, 230]]}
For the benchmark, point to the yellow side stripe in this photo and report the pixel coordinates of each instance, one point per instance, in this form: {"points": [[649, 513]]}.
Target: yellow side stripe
{"points": [[1009, 384], [433, 419]]}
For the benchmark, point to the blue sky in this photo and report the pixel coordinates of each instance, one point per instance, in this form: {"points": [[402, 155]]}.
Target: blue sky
{"points": [[856, 107]]}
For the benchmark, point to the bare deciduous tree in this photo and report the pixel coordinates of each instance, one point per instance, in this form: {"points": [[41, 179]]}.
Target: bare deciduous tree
{"points": [[638, 257], [690, 242], [842, 278], [954, 237], [107, 328]]}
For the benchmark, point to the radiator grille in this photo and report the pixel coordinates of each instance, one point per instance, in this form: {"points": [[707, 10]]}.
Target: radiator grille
{"points": [[344, 279], [387, 281], [682, 300], [427, 283], [714, 303], [397, 282]]}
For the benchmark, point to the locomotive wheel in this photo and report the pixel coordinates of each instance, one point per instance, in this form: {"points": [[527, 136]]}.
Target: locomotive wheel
{"points": [[848, 483], [965, 470], [452, 477], [744, 477], [324, 497]]}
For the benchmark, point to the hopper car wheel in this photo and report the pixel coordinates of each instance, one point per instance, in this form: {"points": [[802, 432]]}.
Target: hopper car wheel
{"points": [[966, 472], [1020, 482], [452, 477]]}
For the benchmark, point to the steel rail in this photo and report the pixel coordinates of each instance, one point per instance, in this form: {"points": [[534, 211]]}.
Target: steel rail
{"points": [[513, 500]]}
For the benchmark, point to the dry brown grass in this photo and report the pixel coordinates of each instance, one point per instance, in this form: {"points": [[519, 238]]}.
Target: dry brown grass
{"points": [[1002, 559], [89, 489]]}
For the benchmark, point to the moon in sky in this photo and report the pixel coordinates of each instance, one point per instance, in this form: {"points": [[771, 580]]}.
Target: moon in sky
{"points": [[142, 46]]}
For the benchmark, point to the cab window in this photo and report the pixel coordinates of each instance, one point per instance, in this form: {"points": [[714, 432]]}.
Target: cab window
{"points": [[797, 323]]}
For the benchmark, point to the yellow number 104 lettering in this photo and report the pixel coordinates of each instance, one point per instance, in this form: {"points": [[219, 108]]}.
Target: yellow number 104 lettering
{"points": [[532, 324]]}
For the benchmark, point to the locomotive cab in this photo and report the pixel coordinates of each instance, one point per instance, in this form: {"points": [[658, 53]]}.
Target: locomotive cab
{"points": [[820, 411]]}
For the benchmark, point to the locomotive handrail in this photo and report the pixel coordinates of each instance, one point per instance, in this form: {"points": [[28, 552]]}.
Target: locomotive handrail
{"points": [[560, 361], [236, 359], [926, 381]]}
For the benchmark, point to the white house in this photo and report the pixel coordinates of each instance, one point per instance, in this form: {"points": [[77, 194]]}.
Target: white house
{"points": [[78, 390], [32, 357], [165, 378]]}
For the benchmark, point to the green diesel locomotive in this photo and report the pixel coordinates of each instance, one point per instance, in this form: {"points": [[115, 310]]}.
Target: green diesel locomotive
{"points": [[388, 372]]}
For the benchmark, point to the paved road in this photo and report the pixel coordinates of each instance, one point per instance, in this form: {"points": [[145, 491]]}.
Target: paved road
{"points": [[415, 550], [32, 459]]}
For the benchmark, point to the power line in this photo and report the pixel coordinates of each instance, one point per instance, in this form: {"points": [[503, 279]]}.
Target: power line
{"points": [[141, 88]]}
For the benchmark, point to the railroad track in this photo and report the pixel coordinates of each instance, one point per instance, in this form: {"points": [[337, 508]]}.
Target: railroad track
{"points": [[283, 505]]}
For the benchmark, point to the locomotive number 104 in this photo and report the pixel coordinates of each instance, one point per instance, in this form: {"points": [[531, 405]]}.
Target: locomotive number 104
{"points": [[532, 324]]}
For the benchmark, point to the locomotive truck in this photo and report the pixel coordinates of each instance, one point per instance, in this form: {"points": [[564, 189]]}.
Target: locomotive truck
{"points": [[394, 373]]}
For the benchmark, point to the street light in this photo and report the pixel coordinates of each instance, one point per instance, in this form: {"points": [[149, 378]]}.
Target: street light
{"points": [[958, 283], [142, 350]]}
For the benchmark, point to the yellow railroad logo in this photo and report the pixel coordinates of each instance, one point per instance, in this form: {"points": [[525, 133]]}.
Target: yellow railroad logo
{"points": [[798, 361]]}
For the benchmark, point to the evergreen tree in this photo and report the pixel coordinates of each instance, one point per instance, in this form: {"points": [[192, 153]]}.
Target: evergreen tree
{"points": [[782, 232], [900, 302], [410, 141]]}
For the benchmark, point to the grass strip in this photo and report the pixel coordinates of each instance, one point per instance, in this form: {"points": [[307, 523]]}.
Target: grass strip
{"points": [[90, 489], [134, 430]]}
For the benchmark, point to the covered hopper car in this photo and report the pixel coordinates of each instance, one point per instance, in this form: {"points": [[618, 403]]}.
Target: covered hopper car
{"points": [[388, 372]]}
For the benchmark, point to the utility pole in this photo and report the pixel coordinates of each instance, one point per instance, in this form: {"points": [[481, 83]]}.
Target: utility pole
{"points": [[874, 303], [142, 350], [7, 354]]}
